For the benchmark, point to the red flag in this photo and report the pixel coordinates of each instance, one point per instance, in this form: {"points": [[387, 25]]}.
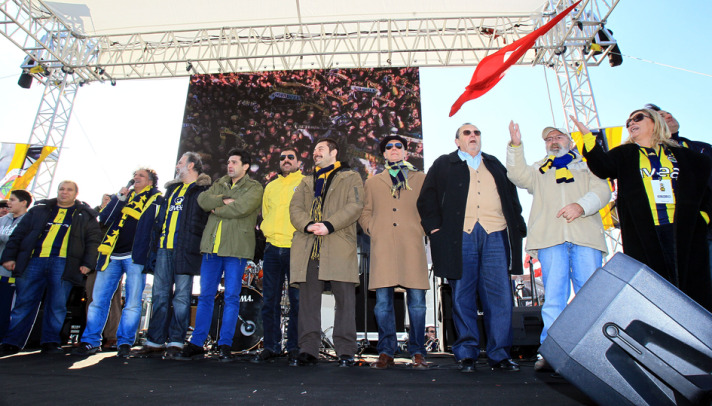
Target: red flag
{"points": [[491, 69]]}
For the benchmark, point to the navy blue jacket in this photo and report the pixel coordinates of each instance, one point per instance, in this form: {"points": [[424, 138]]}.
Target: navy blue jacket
{"points": [[186, 246], [144, 227], [84, 239]]}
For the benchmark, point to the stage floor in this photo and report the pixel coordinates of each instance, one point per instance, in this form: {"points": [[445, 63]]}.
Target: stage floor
{"points": [[30, 378]]}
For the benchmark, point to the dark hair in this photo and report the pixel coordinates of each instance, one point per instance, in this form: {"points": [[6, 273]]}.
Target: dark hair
{"points": [[331, 143], [652, 106], [244, 156], [23, 196], [152, 175], [290, 148], [195, 159]]}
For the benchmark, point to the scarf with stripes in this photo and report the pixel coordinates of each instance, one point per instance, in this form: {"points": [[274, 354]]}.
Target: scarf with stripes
{"points": [[321, 175], [400, 181], [563, 174]]}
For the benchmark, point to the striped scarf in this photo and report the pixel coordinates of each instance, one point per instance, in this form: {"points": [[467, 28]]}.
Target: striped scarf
{"points": [[137, 203], [563, 174], [400, 181], [322, 176]]}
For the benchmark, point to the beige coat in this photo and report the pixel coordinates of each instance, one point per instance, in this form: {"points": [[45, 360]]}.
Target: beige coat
{"points": [[341, 209], [397, 238], [545, 229]]}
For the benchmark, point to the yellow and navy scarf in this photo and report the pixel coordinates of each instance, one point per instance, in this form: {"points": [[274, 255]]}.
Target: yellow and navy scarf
{"points": [[563, 174], [320, 187], [137, 203], [400, 181]]}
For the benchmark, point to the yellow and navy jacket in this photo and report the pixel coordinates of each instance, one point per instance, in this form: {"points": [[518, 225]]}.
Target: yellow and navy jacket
{"points": [[186, 243], [82, 241], [276, 225]]}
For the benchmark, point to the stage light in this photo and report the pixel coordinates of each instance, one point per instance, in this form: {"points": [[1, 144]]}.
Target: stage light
{"points": [[25, 80], [113, 82], [188, 66]]}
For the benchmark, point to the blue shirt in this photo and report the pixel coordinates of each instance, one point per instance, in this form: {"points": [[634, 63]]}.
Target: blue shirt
{"points": [[473, 161]]}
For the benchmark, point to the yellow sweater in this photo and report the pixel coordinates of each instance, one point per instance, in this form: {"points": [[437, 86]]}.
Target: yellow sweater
{"points": [[276, 225]]}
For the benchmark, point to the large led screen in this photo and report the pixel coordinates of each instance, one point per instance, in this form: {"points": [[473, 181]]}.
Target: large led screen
{"points": [[265, 112]]}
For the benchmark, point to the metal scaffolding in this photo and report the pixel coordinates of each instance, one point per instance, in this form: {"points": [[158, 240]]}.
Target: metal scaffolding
{"points": [[68, 59]]}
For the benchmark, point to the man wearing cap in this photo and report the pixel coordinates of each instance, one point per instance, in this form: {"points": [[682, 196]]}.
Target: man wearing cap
{"points": [[697, 146], [471, 213], [390, 217], [565, 227]]}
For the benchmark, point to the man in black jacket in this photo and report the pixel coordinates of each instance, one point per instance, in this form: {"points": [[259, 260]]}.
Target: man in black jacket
{"points": [[175, 258], [54, 246], [471, 213]]}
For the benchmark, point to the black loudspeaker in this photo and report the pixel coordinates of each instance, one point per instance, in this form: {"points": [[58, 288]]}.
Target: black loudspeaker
{"points": [[526, 326], [629, 337]]}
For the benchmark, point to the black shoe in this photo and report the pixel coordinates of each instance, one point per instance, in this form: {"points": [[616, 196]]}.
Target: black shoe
{"points": [[292, 360], [506, 365], [191, 352], [225, 353], [84, 349], [467, 365], [346, 361], [172, 352], [51, 349], [264, 356], [8, 349], [124, 351], [304, 359]]}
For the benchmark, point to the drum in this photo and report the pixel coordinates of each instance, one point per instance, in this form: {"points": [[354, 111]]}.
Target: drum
{"points": [[252, 276], [249, 331]]}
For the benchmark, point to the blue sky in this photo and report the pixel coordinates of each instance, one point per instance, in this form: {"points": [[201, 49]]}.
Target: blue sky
{"points": [[117, 129]]}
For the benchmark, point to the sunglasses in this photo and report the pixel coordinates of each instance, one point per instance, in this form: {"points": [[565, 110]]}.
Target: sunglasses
{"points": [[288, 156], [636, 118], [468, 132], [398, 145]]}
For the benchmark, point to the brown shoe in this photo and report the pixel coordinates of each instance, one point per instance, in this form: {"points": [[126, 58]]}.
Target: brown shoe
{"points": [[419, 362], [147, 351], [384, 361]]}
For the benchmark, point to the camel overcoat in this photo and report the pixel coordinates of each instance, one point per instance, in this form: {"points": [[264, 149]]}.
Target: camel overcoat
{"points": [[342, 207], [397, 237]]}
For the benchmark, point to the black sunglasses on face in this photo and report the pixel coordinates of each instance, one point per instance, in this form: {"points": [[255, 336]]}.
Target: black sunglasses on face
{"points": [[468, 132], [288, 156], [636, 118], [398, 145]]}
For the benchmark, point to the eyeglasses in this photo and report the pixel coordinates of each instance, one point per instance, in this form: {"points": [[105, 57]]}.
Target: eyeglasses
{"points": [[398, 145], [559, 137], [636, 118], [288, 156], [468, 132]]}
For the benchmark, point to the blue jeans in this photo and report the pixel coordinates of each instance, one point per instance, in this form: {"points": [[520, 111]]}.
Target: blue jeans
{"points": [[562, 265], [275, 272], [484, 273], [107, 282], [40, 273], [386, 319], [211, 271], [169, 325], [7, 295]]}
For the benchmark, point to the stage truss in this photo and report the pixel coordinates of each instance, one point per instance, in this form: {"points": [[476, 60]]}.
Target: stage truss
{"points": [[68, 59]]}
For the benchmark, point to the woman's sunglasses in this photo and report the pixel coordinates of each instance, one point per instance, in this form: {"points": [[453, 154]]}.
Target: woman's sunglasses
{"points": [[636, 118]]}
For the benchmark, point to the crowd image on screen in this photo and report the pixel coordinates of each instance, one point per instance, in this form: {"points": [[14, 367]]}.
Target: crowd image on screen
{"points": [[264, 112]]}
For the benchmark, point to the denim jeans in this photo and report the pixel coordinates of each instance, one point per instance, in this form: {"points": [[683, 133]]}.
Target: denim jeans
{"points": [[107, 282], [275, 272], [484, 274], [40, 273], [169, 324], [211, 271], [7, 296], [562, 265], [386, 319]]}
